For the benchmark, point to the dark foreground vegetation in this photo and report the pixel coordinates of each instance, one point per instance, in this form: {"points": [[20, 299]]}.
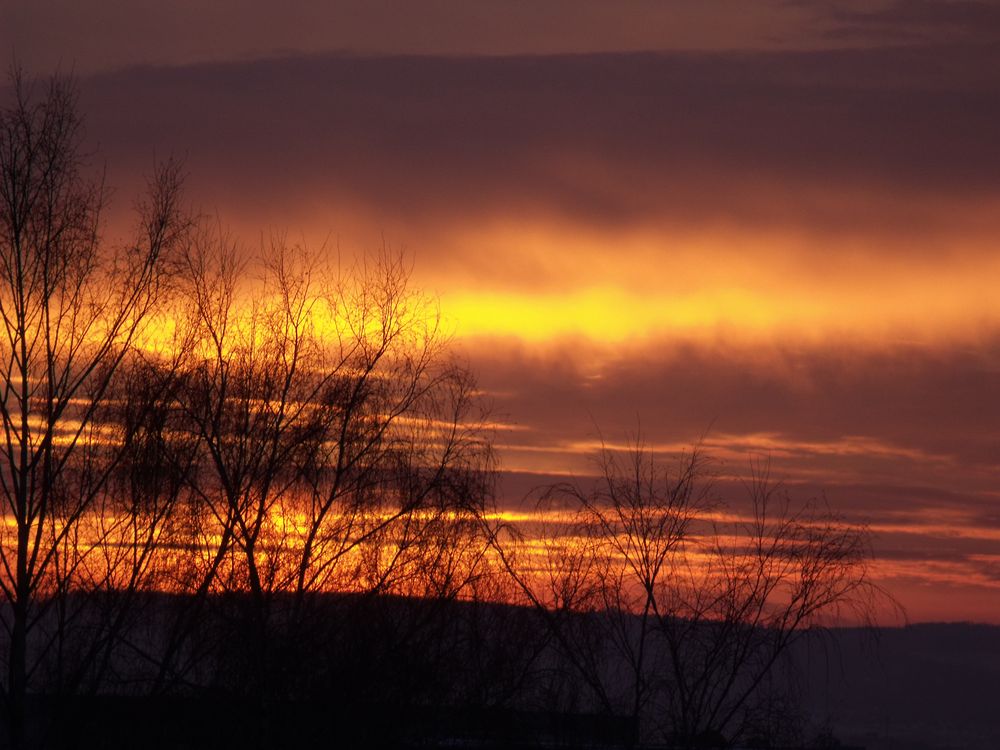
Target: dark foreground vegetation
{"points": [[387, 671], [370, 671], [248, 498]]}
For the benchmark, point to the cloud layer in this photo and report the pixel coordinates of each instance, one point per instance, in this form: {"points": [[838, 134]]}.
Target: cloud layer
{"points": [[783, 249]]}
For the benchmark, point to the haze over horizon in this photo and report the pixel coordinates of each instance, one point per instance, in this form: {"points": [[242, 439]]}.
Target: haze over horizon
{"points": [[768, 228]]}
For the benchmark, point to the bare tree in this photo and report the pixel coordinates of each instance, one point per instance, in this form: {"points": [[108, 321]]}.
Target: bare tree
{"points": [[684, 606], [71, 311], [759, 581], [338, 447], [402, 458]]}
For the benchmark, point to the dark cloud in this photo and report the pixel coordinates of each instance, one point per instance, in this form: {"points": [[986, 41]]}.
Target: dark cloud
{"points": [[911, 404], [118, 33], [883, 142], [906, 439], [918, 21]]}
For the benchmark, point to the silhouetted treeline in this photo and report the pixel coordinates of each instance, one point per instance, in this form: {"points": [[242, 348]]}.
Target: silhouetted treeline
{"points": [[260, 481]]}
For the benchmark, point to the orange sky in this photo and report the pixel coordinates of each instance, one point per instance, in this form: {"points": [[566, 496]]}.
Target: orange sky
{"points": [[774, 228]]}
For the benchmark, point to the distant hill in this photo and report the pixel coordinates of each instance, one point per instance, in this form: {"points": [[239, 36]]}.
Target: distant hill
{"points": [[921, 687]]}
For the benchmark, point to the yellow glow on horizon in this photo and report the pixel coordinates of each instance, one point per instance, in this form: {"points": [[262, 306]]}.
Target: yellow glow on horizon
{"points": [[915, 310], [606, 314], [543, 280]]}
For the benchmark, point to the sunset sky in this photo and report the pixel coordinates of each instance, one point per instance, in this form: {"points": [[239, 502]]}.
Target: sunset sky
{"points": [[770, 226]]}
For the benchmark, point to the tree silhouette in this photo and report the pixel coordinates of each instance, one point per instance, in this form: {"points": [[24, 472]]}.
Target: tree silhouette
{"points": [[336, 444], [260, 475], [248, 435], [71, 310], [674, 609]]}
